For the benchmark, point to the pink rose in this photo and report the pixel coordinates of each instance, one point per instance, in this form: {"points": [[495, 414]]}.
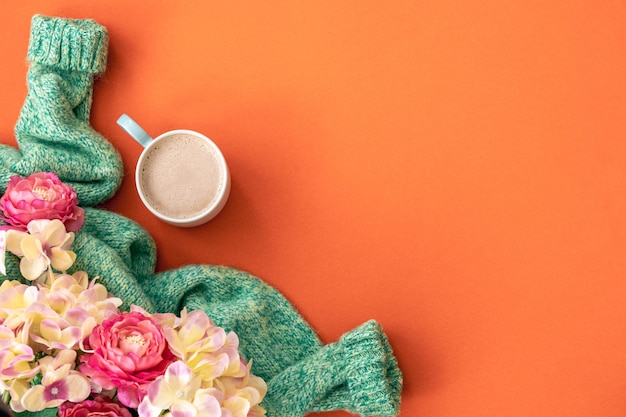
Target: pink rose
{"points": [[100, 406], [129, 352], [40, 196]]}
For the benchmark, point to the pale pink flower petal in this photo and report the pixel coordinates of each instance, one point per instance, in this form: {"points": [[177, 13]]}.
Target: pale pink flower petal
{"points": [[16, 358], [18, 388], [52, 233], [61, 259], [239, 406], [177, 386], [31, 247], [78, 387], [161, 395], [56, 338], [183, 409], [33, 400], [33, 269], [147, 409], [37, 226], [178, 375], [207, 401], [14, 241]]}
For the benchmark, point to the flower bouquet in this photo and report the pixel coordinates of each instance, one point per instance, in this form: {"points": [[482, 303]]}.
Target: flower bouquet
{"points": [[66, 348]]}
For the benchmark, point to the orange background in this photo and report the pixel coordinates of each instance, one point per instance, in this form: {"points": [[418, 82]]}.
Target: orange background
{"points": [[454, 169]]}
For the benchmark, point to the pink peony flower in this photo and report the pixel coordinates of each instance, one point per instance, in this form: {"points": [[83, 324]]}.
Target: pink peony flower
{"points": [[129, 351], [100, 406], [40, 196]]}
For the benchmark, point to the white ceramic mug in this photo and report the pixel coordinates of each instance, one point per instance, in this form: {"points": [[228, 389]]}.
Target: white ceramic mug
{"points": [[181, 176]]}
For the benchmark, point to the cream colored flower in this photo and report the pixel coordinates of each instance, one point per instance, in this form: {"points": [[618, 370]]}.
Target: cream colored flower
{"points": [[45, 245], [67, 310], [59, 314], [17, 389], [16, 357], [243, 395], [14, 298], [178, 391], [75, 283], [60, 383], [206, 348]]}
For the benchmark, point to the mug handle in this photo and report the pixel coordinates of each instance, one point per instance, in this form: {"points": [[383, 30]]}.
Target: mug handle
{"points": [[134, 130]]}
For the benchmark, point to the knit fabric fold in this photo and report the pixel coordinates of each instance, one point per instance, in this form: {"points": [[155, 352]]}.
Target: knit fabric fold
{"points": [[358, 373], [373, 377], [53, 131], [68, 44]]}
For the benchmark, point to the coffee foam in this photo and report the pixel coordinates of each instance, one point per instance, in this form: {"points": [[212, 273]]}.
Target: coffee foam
{"points": [[181, 176]]}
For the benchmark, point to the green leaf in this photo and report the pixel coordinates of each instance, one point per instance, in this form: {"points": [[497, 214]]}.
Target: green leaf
{"points": [[47, 412]]}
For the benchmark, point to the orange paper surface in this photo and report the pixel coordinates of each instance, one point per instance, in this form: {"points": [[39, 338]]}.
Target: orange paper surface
{"points": [[455, 170]]}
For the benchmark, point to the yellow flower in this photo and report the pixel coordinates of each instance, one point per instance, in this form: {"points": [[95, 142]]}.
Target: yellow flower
{"points": [[14, 298], [16, 357], [75, 283], [17, 389], [206, 348], [243, 395], [67, 310], [178, 391], [45, 245]]}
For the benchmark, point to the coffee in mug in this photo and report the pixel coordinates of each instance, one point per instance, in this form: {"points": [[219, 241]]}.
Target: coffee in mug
{"points": [[181, 176]]}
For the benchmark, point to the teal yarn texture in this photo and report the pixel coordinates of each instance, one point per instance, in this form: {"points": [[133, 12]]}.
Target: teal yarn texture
{"points": [[358, 373], [53, 131]]}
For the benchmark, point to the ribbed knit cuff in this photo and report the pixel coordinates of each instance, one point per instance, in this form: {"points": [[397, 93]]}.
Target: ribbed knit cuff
{"points": [[68, 44], [374, 379]]}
